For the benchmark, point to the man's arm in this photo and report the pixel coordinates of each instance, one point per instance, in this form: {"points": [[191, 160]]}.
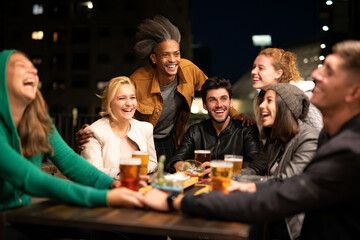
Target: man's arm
{"points": [[184, 152], [251, 143]]}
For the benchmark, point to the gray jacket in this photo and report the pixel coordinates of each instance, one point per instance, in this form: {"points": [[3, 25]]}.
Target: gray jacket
{"points": [[291, 161]]}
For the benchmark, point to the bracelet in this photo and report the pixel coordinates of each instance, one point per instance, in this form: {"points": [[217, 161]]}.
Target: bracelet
{"points": [[170, 199]]}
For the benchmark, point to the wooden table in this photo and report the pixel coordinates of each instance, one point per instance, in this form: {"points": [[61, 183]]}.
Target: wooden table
{"points": [[126, 220]]}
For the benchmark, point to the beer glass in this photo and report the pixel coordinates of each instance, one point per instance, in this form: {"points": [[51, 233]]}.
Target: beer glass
{"points": [[144, 156], [130, 172], [237, 160], [202, 155], [221, 172]]}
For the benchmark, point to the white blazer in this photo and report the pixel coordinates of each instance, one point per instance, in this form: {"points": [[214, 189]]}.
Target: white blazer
{"points": [[103, 149]]}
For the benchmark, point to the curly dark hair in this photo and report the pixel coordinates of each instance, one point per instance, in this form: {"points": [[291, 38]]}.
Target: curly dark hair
{"points": [[151, 32]]}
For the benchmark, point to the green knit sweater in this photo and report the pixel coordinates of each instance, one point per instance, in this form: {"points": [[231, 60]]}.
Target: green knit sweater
{"points": [[21, 178]]}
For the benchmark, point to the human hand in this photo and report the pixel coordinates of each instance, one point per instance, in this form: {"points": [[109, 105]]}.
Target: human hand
{"points": [[246, 119], [207, 169], [124, 197], [243, 187], [82, 137], [115, 184], [157, 200], [179, 166], [143, 180]]}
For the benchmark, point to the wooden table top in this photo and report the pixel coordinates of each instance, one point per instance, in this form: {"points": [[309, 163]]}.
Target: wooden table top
{"points": [[126, 220]]}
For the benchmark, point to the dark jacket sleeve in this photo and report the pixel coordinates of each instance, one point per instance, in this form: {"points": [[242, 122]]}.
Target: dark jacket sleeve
{"points": [[252, 143], [258, 166], [184, 152]]}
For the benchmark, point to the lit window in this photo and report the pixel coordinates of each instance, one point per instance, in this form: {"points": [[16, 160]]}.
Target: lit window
{"points": [[194, 109], [55, 37], [204, 111], [37, 35], [37, 61], [88, 4], [38, 9], [329, 2]]}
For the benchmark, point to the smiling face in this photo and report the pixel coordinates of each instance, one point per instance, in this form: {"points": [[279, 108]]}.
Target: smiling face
{"points": [[331, 85], [263, 73], [22, 79], [124, 103], [218, 104], [167, 57], [268, 109]]}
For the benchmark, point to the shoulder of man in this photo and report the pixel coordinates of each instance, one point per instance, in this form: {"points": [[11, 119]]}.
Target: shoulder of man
{"points": [[144, 73], [185, 63]]}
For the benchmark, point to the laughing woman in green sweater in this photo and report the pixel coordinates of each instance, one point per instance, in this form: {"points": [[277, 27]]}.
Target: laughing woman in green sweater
{"points": [[26, 134]]}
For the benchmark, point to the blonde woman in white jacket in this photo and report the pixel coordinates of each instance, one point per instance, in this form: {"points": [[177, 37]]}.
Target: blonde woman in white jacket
{"points": [[117, 135]]}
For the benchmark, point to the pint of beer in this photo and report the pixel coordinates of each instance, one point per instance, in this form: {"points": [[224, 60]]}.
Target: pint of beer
{"points": [[144, 156], [130, 172], [221, 172], [202, 155], [237, 160]]}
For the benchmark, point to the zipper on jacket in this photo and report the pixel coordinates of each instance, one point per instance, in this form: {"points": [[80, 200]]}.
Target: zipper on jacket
{"points": [[217, 147]]}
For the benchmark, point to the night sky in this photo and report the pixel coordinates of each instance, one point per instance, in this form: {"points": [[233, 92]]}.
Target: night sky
{"points": [[226, 27]]}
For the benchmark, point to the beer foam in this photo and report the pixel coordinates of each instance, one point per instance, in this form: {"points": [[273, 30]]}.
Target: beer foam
{"points": [[233, 158], [202, 151], [140, 153], [130, 161], [222, 164]]}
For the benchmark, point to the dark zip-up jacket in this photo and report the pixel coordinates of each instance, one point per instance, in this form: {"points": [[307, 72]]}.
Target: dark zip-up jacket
{"points": [[234, 139]]}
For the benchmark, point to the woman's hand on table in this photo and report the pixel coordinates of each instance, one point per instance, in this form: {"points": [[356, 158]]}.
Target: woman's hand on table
{"points": [[243, 187], [124, 197]]}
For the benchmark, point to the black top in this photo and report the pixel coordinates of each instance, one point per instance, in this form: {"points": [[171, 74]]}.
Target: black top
{"points": [[234, 139]]}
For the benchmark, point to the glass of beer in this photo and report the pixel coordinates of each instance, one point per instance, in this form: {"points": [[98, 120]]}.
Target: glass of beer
{"points": [[130, 172], [144, 156], [221, 172], [202, 155], [237, 160]]}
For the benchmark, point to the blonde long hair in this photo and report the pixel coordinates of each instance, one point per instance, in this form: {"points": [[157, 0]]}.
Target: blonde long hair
{"points": [[34, 128]]}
